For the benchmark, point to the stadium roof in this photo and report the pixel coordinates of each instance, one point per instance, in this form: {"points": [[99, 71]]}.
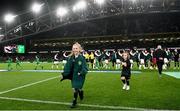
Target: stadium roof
{"points": [[20, 6], [26, 24]]}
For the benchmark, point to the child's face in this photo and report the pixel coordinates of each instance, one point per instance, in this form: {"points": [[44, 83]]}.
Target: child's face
{"points": [[75, 49], [125, 56]]}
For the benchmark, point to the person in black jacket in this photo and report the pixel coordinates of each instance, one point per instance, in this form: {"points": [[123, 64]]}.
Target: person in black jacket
{"points": [[160, 55], [126, 71]]}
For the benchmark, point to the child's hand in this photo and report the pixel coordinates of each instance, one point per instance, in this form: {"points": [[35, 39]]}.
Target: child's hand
{"points": [[124, 64]]}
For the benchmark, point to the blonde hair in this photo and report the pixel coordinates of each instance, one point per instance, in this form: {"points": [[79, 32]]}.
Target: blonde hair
{"points": [[78, 45], [128, 56]]}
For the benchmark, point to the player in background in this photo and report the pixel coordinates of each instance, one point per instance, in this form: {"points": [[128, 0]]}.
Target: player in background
{"points": [[176, 59], [146, 58], [142, 62], [91, 59], [153, 60], [126, 71], [64, 59], [98, 56], [166, 61], [169, 57], [132, 57], [96, 62], [55, 61], [9, 62], [18, 65], [137, 57], [86, 55], [118, 59], [38, 63], [149, 58], [106, 59], [114, 58]]}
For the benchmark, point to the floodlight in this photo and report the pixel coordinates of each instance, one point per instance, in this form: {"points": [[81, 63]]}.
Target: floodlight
{"points": [[9, 18], [61, 11], [100, 2], [133, 1], [36, 7], [80, 5]]}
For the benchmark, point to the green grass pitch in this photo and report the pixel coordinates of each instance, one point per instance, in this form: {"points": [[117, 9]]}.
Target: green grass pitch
{"points": [[43, 90]]}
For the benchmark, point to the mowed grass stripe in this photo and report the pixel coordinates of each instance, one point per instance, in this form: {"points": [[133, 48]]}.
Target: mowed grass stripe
{"points": [[27, 85], [68, 104]]}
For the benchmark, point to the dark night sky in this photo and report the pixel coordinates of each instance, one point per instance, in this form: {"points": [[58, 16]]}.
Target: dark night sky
{"points": [[21, 6], [14, 6], [18, 6]]}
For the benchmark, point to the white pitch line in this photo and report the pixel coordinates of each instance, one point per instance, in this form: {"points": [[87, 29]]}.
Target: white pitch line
{"points": [[59, 71], [66, 103], [27, 85]]}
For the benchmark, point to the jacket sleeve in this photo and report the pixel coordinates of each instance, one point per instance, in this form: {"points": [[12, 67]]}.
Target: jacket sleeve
{"points": [[84, 68], [67, 67]]}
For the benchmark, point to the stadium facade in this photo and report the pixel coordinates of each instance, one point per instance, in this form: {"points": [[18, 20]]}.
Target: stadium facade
{"points": [[115, 24]]}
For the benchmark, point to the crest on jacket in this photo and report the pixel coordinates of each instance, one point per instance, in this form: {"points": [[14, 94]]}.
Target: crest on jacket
{"points": [[79, 63]]}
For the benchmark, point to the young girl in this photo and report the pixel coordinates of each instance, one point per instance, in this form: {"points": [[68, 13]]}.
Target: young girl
{"points": [[126, 71], [76, 70]]}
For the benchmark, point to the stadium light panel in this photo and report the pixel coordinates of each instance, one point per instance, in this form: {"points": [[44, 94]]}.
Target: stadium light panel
{"points": [[9, 18], [36, 7], [80, 6], [100, 2], [61, 11]]}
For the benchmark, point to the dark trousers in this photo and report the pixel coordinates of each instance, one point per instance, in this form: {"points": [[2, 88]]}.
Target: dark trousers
{"points": [[100, 62], [146, 63], [113, 62], [160, 65], [137, 61]]}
